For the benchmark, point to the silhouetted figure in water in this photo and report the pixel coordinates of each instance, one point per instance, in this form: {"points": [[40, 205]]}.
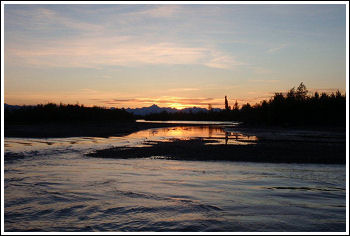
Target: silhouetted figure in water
{"points": [[226, 138], [210, 132]]}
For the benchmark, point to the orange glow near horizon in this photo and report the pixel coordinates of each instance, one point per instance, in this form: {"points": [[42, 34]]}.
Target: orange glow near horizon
{"points": [[180, 106], [105, 55], [90, 98]]}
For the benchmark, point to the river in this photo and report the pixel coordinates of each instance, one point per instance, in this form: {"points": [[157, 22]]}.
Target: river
{"points": [[50, 185]]}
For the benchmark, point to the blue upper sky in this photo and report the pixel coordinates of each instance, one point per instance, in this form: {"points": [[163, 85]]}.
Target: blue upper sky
{"points": [[173, 55]]}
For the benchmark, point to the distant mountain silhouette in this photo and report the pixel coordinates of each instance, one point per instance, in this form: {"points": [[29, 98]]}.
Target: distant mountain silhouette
{"points": [[150, 110], [154, 109], [12, 107], [294, 107]]}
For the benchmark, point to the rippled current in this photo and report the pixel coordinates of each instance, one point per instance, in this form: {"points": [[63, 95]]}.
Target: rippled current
{"points": [[51, 186]]}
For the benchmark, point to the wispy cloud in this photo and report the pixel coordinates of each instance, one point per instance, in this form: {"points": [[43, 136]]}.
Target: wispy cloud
{"points": [[183, 89], [53, 17], [261, 70], [265, 80], [112, 42], [157, 11], [45, 19], [222, 61], [162, 101], [229, 49], [167, 101], [278, 48], [325, 90], [116, 51]]}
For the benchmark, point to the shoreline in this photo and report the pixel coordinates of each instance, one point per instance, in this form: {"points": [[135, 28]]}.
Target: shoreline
{"points": [[273, 144], [90, 129], [197, 149], [115, 128]]}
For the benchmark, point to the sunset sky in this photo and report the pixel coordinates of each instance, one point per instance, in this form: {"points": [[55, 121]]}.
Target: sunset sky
{"points": [[170, 55]]}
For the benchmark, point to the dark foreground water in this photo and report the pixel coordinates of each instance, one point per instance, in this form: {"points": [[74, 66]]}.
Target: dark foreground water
{"points": [[51, 186]]}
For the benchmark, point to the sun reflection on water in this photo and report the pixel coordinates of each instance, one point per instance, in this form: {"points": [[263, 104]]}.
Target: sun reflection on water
{"points": [[213, 134]]}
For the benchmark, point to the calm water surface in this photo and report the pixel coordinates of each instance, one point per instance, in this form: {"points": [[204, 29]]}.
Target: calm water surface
{"points": [[51, 186]]}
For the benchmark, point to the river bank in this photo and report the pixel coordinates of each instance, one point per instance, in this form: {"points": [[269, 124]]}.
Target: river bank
{"points": [[178, 178], [198, 141], [90, 129], [275, 145], [264, 151]]}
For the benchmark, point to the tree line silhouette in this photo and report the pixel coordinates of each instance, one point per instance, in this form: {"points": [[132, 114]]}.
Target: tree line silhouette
{"points": [[64, 113], [296, 107]]}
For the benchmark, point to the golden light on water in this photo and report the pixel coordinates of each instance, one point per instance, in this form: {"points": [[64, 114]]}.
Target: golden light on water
{"points": [[176, 132]]}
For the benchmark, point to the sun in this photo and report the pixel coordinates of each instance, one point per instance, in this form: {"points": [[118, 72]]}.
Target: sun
{"points": [[178, 106]]}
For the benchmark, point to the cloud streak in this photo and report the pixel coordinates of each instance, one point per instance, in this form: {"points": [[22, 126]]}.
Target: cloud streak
{"points": [[157, 11], [183, 102], [162, 101], [183, 89], [116, 51], [265, 80], [138, 51], [109, 41], [278, 48]]}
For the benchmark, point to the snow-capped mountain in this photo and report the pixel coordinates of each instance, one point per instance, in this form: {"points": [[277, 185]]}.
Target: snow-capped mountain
{"points": [[149, 110], [156, 109]]}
